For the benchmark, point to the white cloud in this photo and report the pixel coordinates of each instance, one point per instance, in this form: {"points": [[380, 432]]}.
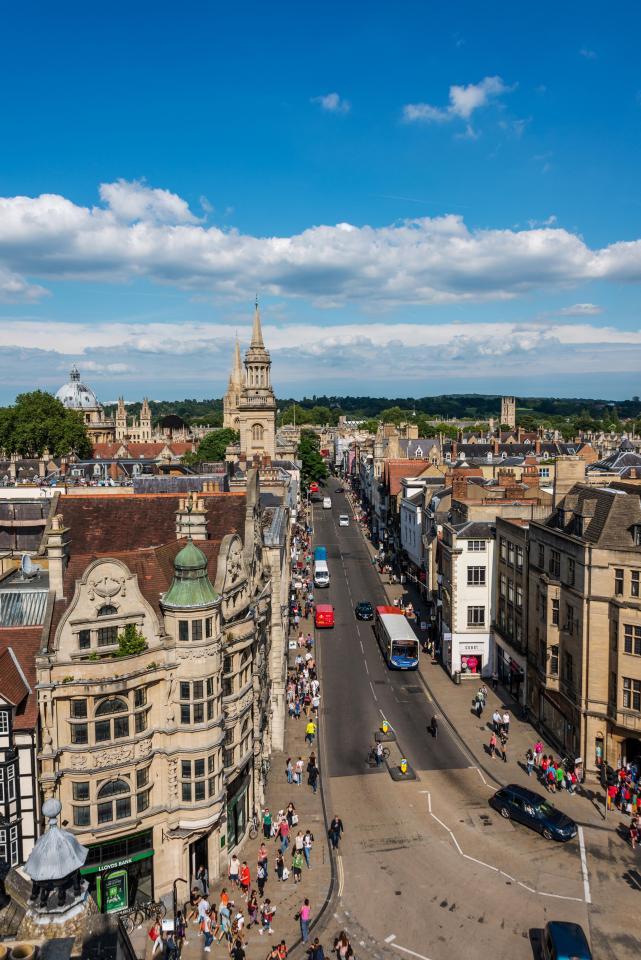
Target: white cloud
{"points": [[581, 310], [427, 260], [587, 53], [132, 201], [463, 101], [332, 103]]}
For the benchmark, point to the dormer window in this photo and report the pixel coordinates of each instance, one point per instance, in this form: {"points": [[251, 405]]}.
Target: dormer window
{"points": [[636, 534]]}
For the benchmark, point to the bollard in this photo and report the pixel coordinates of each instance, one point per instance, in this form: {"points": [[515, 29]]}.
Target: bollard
{"points": [[384, 726], [403, 765]]}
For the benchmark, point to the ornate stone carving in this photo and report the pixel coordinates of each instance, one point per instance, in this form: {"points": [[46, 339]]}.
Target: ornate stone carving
{"points": [[201, 653], [172, 780], [106, 587]]}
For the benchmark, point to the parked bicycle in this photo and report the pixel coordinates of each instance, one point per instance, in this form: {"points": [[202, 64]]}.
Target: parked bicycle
{"points": [[134, 917], [253, 826]]}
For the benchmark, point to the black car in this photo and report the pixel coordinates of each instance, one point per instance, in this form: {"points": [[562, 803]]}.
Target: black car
{"points": [[364, 610], [525, 806]]}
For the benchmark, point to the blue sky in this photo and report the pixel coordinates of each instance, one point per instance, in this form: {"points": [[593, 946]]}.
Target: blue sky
{"points": [[428, 197]]}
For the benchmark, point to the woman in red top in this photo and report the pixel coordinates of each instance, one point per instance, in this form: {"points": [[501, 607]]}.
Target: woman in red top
{"points": [[245, 879]]}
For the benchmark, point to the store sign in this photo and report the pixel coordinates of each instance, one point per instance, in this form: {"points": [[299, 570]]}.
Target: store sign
{"points": [[471, 647], [114, 864], [116, 886]]}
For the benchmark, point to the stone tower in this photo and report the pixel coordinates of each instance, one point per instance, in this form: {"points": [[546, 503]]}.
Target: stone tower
{"points": [[145, 420], [508, 411], [121, 420], [231, 399], [256, 411]]}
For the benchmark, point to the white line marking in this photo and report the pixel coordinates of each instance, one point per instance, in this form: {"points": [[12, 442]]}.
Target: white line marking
{"points": [[482, 863], [362, 647], [635, 882], [341, 875], [391, 937], [584, 868], [373, 691], [480, 773], [412, 953], [366, 667]]}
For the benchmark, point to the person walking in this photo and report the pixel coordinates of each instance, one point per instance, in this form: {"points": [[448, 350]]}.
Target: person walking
{"points": [[263, 857], [480, 703], [267, 912], [252, 909], [297, 865], [335, 830], [279, 864], [245, 879], [234, 871], [202, 878], [503, 747], [308, 843], [379, 754], [316, 952], [310, 732], [261, 878], [312, 776], [529, 761], [538, 750], [283, 834], [304, 915], [496, 721], [180, 932], [506, 724], [267, 823], [493, 745], [299, 766], [289, 770]]}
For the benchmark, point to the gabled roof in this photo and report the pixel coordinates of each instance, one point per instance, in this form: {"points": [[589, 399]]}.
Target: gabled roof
{"points": [[609, 516], [395, 470], [18, 684]]}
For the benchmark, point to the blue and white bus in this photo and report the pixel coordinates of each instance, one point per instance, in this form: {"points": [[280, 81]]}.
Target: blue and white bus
{"points": [[396, 639]]}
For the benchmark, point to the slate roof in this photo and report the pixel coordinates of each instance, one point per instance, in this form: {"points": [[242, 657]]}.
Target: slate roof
{"points": [[609, 516], [621, 462], [473, 530]]}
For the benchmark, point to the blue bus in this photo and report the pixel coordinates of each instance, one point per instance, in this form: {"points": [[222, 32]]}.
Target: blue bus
{"points": [[397, 640], [320, 553]]}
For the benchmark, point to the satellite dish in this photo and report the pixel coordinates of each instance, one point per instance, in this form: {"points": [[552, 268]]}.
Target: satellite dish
{"points": [[28, 569]]}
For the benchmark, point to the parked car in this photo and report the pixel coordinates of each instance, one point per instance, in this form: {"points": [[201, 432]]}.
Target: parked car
{"points": [[364, 610], [565, 941], [518, 803]]}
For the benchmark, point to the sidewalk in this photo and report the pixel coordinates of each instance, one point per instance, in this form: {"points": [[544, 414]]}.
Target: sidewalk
{"points": [[454, 704]]}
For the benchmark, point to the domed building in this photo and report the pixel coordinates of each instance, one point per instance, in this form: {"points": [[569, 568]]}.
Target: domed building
{"points": [[76, 395]]}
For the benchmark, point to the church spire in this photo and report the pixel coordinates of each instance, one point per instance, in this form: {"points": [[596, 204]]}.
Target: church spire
{"points": [[237, 370], [257, 333]]}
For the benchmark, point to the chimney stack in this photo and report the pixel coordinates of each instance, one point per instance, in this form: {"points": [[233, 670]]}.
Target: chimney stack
{"points": [[57, 554], [191, 518]]}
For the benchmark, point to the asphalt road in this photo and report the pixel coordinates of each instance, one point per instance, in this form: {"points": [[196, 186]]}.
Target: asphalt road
{"points": [[358, 687], [427, 869]]}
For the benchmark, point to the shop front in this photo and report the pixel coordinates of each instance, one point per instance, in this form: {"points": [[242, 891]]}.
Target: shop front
{"points": [[510, 670], [120, 872], [238, 807], [468, 657], [558, 720]]}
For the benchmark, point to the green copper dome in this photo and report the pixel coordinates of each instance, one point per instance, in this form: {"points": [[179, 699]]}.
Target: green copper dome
{"points": [[191, 586]]}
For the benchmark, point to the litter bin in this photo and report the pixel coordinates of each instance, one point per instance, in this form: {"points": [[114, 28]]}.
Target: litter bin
{"points": [[457, 676]]}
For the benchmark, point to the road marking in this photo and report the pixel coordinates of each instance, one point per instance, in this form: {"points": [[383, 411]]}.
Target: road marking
{"points": [[366, 667], [584, 868], [397, 946], [373, 691], [489, 866], [480, 773], [341, 875], [362, 647]]}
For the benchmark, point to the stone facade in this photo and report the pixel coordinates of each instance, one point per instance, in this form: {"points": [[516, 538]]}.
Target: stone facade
{"points": [[157, 756], [508, 411]]}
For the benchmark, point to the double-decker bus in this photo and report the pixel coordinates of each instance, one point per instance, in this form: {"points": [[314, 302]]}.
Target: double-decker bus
{"points": [[396, 639]]}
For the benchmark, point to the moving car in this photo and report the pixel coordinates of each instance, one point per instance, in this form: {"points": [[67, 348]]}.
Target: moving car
{"points": [[327, 503], [343, 520], [564, 941], [518, 803], [321, 573], [324, 616], [364, 610]]}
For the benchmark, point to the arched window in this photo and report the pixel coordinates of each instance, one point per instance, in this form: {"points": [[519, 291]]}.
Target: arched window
{"points": [[107, 610], [114, 801], [257, 432], [116, 724]]}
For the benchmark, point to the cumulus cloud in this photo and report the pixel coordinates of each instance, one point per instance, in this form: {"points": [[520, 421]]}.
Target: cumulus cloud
{"points": [[143, 233], [131, 201], [587, 53], [581, 310], [332, 103], [463, 101]]}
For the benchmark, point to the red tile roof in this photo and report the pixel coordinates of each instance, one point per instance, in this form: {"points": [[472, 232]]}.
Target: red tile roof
{"points": [[395, 470], [25, 643]]}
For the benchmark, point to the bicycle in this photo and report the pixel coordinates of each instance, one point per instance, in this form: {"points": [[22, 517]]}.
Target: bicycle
{"points": [[371, 756], [147, 910], [253, 826]]}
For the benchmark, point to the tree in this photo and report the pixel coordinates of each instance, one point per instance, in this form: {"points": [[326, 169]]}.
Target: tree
{"points": [[38, 422], [395, 415], [371, 426], [313, 466], [211, 448], [130, 641]]}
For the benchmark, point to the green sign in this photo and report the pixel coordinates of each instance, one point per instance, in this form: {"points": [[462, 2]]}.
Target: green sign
{"points": [[116, 891], [124, 862]]}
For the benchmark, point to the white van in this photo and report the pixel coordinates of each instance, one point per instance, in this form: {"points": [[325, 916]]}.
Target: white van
{"points": [[327, 503], [343, 520], [321, 573]]}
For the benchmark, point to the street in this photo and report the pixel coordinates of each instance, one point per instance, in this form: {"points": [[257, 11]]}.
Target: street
{"points": [[428, 868]]}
